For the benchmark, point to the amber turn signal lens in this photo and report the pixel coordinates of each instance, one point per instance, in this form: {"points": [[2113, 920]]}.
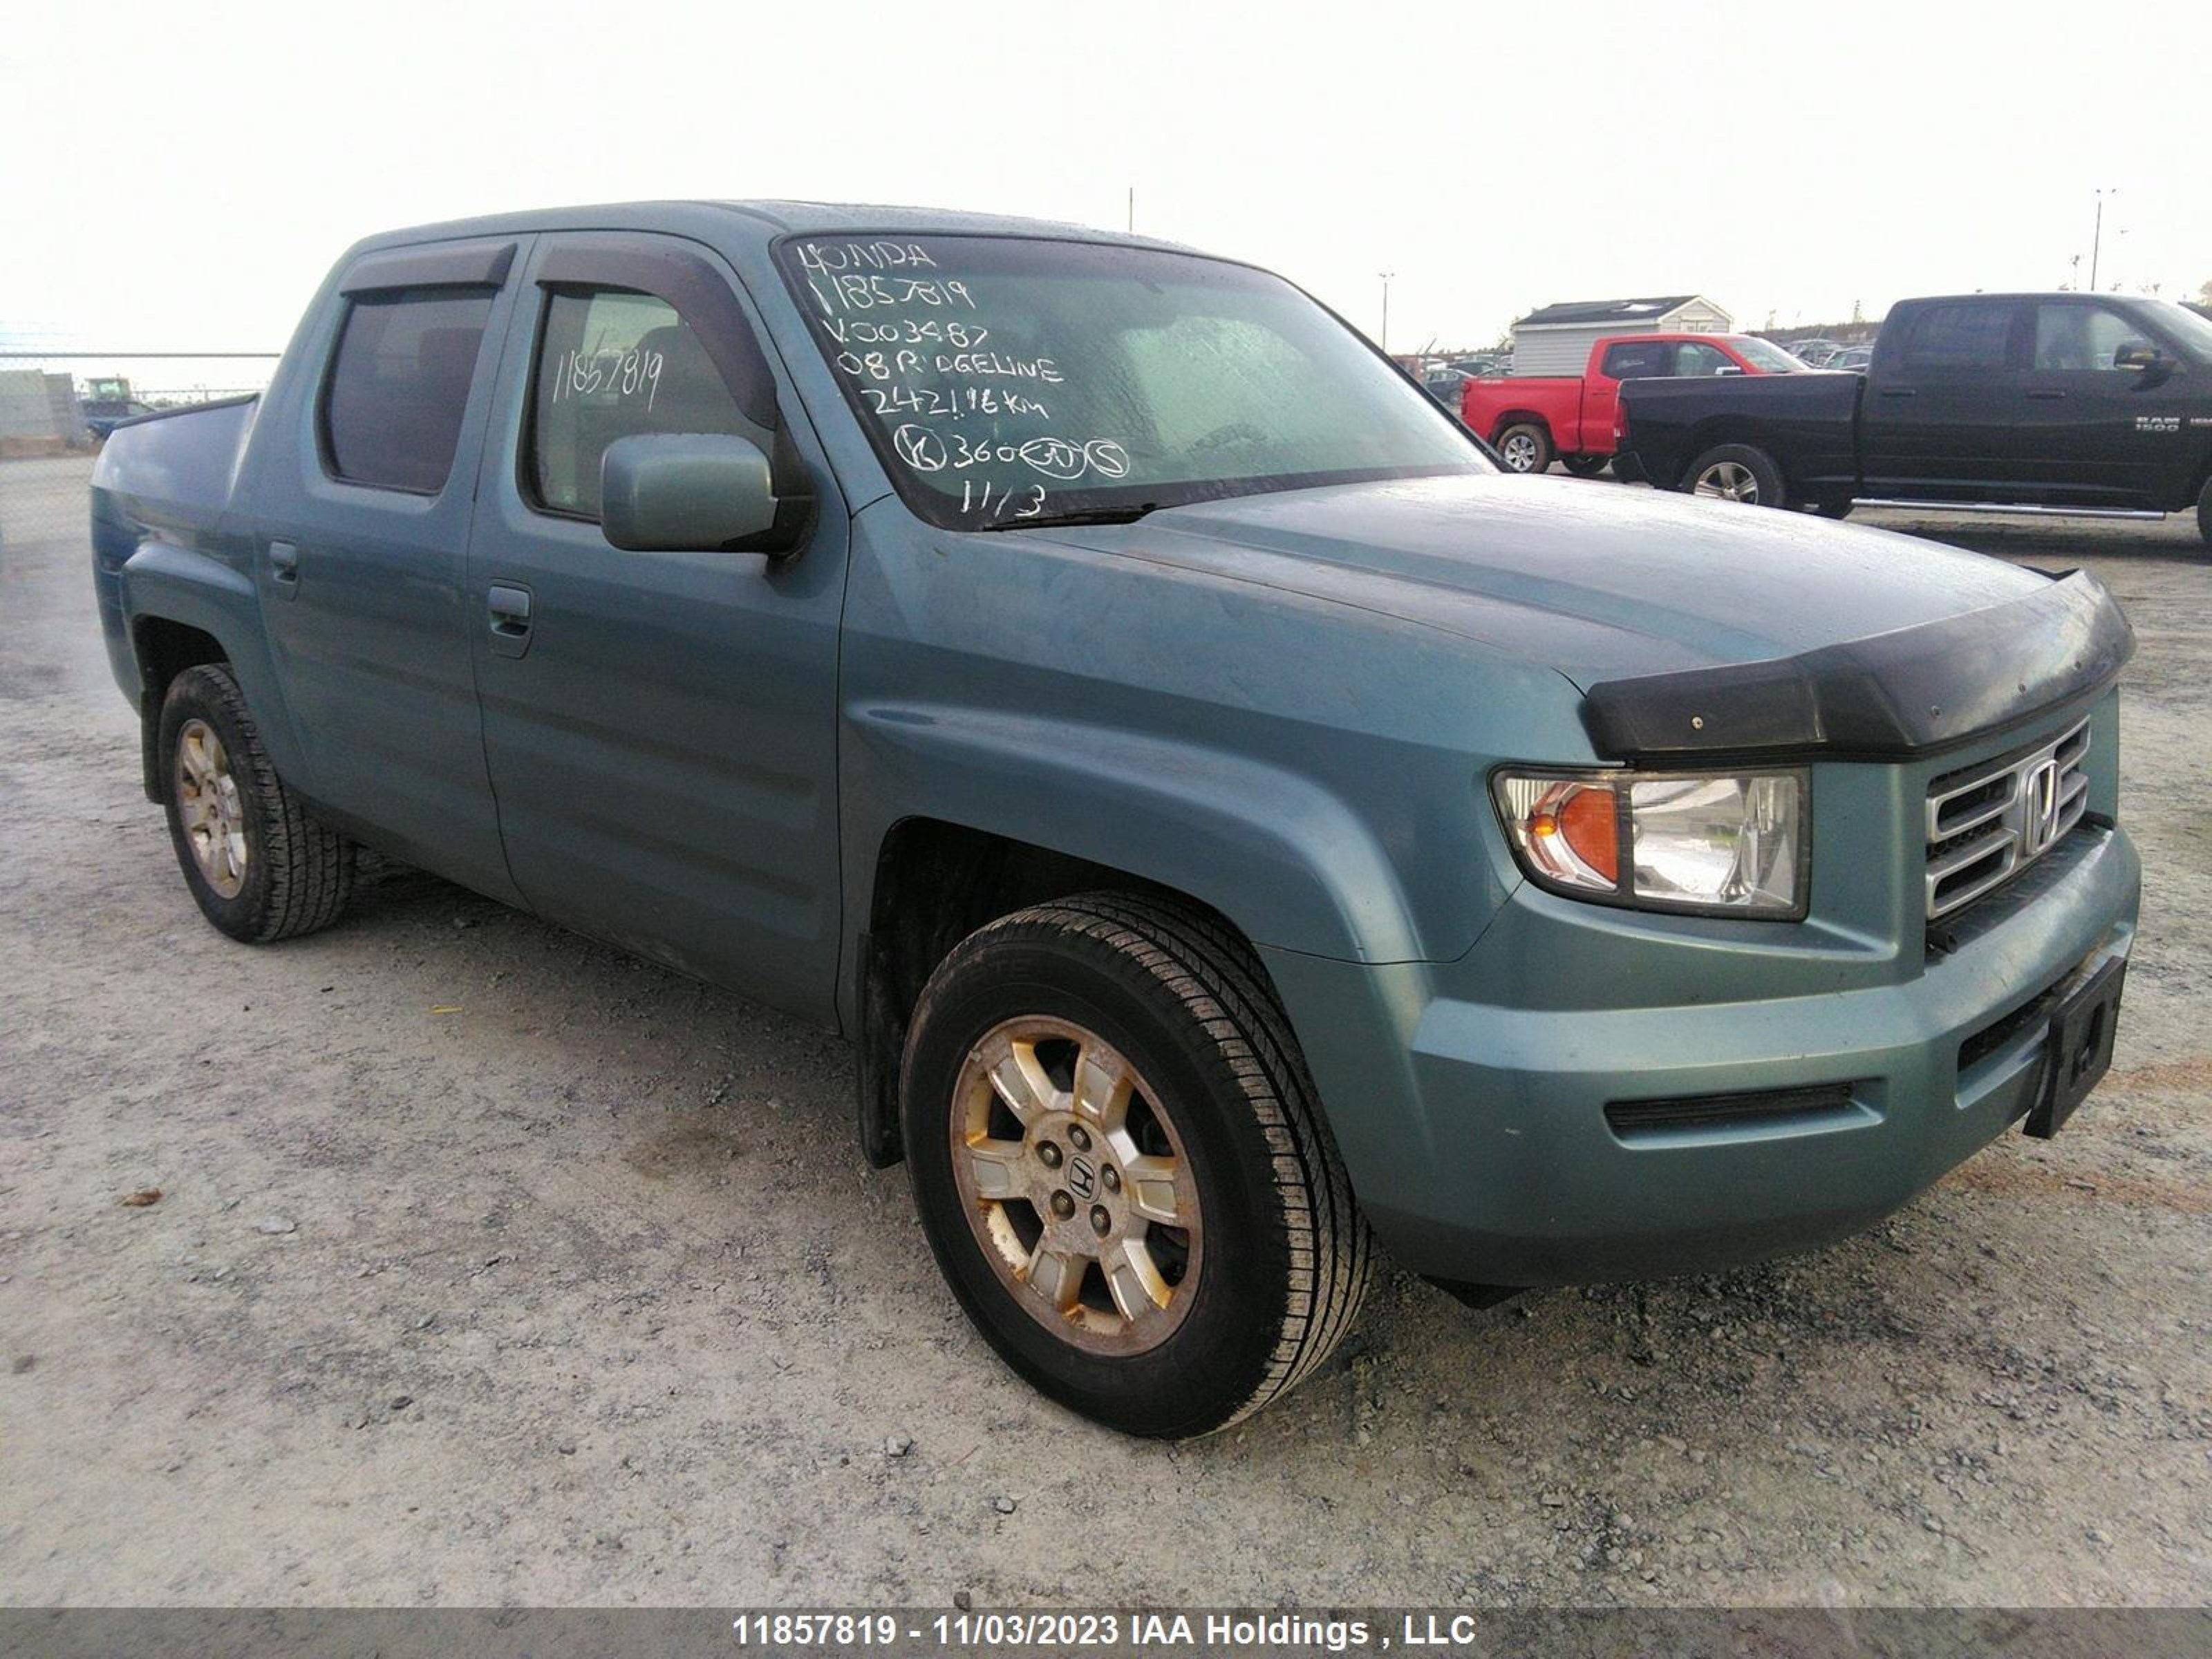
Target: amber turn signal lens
{"points": [[1567, 829], [1587, 822]]}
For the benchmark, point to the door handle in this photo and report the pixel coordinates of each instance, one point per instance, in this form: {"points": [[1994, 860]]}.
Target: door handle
{"points": [[284, 569], [2045, 394], [509, 606], [1900, 391]]}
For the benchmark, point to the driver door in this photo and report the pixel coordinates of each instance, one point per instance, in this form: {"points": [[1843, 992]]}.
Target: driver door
{"points": [[660, 727], [2096, 434]]}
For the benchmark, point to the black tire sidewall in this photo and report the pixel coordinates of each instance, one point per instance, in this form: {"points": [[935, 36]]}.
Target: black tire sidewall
{"points": [[1211, 1366], [195, 696]]}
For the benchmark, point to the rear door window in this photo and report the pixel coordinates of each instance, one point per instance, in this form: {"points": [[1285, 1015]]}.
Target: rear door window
{"points": [[1963, 337], [1639, 360], [399, 385], [613, 363]]}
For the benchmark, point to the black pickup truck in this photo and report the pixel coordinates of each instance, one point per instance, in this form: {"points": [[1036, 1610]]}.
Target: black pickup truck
{"points": [[2074, 404]]}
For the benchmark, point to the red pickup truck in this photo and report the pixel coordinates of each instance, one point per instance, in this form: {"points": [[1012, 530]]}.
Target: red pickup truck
{"points": [[1532, 420]]}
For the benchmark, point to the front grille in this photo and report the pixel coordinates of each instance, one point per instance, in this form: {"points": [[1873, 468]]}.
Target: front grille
{"points": [[1988, 822]]}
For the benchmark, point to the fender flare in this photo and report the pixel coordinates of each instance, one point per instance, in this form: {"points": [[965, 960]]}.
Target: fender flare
{"points": [[1523, 417], [164, 581], [1291, 865]]}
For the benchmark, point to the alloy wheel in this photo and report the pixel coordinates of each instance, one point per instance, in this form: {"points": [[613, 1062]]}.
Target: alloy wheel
{"points": [[1727, 481], [1073, 1179], [208, 802]]}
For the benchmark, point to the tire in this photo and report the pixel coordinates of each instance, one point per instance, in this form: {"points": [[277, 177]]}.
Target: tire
{"points": [[1736, 472], [1263, 1274], [2205, 513], [1524, 446], [259, 866], [1585, 466]]}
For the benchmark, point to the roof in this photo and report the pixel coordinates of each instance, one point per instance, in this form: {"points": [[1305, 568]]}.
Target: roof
{"points": [[768, 218], [1581, 312]]}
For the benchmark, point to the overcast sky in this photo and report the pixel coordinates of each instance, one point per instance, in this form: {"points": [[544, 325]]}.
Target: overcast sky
{"points": [[180, 176]]}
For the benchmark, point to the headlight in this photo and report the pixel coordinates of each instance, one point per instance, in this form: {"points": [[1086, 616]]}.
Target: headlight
{"points": [[1728, 845]]}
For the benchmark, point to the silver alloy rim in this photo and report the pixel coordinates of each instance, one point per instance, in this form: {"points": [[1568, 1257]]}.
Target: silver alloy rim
{"points": [[1520, 453], [208, 806], [1073, 1180], [1728, 481]]}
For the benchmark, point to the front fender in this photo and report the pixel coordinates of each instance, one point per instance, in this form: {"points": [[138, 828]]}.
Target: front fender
{"points": [[1291, 863]]}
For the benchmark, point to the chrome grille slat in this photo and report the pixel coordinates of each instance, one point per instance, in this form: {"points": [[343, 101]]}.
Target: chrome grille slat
{"points": [[1940, 829], [1962, 858], [2003, 815]]}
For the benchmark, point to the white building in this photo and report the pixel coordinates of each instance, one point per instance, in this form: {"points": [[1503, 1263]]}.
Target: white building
{"points": [[36, 407], [1557, 339]]}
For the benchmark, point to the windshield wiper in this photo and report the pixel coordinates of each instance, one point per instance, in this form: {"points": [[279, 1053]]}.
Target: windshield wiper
{"points": [[1078, 515]]}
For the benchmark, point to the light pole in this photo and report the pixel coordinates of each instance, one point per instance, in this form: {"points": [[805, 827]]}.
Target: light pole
{"points": [[1385, 341], [2097, 238]]}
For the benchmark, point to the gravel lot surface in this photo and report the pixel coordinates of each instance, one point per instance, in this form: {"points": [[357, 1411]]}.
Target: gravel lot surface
{"points": [[492, 1266]]}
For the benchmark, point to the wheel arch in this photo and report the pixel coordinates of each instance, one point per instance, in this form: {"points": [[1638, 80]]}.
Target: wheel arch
{"points": [[966, 877], [996, 815], [1513, 418], [1711, 435], [177, 601], [163, 649]]}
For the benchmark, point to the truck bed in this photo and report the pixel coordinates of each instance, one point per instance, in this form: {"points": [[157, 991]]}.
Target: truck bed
{"points": [[168, 473], [1808, 422]]}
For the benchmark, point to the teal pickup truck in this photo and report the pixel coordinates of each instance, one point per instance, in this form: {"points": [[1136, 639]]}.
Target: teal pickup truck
{"points": [[1233, 821]]}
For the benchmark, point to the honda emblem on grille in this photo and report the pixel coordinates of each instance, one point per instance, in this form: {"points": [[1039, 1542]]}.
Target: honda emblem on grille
{"points": [[2039, 814]]}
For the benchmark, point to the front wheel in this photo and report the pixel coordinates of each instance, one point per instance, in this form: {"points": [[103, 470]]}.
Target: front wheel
{"points": [[1586, 466], [1524, 446], [1736, 472], [1121, 1167], [2205, 513]]}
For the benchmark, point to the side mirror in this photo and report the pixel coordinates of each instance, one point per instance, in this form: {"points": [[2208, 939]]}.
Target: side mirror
{"points": [[1728, 368], [674, 492], [2136, 354]]}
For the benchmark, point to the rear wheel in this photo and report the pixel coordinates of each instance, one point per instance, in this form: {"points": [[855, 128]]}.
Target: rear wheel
{"points": [[1586, 466], [2205, 513], [1121, 1167], [1524, 446], [1736, 472], [259, 867]]}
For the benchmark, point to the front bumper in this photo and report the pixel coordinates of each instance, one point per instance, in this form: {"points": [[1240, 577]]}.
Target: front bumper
{"points": [[1475, 1128]]}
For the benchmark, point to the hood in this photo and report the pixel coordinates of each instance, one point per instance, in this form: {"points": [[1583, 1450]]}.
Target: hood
{"points": [[1599, 582]]}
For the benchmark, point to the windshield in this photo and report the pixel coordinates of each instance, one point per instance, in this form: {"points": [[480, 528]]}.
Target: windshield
{"points": [[1007, 378], [1766, 355], [2189, 329]]}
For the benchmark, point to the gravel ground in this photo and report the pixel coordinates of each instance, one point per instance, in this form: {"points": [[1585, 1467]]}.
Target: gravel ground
{"points": [[494, 1266]]}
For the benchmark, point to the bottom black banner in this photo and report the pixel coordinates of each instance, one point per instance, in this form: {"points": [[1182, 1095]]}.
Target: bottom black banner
{"points": [[922, 1632]]}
